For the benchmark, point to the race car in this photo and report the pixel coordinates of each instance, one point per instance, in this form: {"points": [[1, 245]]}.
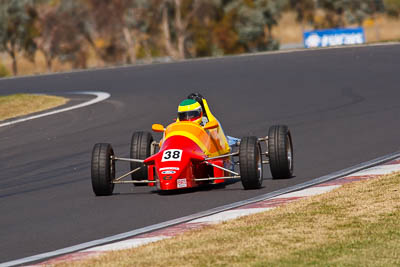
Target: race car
{"points": [[194, 151]]}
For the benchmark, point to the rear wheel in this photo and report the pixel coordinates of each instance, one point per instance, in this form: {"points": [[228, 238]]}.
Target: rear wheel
{"points": [[102, 169], [280, 152], [250, 163], [141, 145]]}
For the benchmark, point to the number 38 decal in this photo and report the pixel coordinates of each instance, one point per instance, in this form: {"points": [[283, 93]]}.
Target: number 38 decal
{"points": [[172, 155]]}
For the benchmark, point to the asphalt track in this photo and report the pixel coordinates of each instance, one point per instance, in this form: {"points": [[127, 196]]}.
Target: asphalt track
{"points": [[342, 106]]}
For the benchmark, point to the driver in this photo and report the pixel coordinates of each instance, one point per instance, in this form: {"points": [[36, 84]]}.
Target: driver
{"points": [[191, 110]]}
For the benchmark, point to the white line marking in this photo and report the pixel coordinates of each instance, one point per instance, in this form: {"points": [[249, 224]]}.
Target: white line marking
{"points": [[100, 96], [228, 215], [312, 191]]}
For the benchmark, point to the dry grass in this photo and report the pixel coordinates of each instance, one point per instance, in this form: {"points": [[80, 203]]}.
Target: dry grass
{"points": [[382, 29], [38, 66], [23, 104], [356, 225], [288, 29]]}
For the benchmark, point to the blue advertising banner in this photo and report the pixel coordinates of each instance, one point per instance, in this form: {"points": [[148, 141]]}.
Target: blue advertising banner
{"points": [[333, 37]]}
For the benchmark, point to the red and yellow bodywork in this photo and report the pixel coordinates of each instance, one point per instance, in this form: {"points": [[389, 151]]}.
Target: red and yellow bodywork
{"points": [[183, 149]]}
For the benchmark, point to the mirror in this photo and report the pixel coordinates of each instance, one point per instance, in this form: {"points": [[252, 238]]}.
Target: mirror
{"points": [[211, 125], [158, 128]]}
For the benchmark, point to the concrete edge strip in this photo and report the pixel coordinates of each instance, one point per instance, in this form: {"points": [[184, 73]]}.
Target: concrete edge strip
{"points": [[191, 218], [100, 96]]}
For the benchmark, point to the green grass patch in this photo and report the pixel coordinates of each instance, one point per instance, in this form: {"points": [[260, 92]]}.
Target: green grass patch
{"points": [[355, 225], [12, 106]]}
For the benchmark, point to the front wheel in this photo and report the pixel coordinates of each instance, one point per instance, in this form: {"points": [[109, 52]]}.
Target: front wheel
{"points": [[250, 163], [141, 148], [102, 169], [280, 152]]}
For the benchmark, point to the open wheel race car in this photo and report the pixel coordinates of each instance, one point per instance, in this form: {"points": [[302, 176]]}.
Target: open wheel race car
{"points": [[189, 155]]}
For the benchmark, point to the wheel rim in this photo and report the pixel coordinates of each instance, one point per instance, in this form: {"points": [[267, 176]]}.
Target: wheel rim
{"points": [[112, 168], [289, 152], [259, 165]]}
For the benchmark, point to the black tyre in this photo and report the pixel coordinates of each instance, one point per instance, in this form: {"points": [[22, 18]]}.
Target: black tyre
{"points": [[103, 169], [140, 149], [250, 163], [280, 151]]}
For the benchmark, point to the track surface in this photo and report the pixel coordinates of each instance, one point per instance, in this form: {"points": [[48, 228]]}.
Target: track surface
{"points": [[342, 106]]}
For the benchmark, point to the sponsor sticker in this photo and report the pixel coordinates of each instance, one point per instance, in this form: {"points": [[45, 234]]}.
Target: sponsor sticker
{"points": [[168, 172], [172, 155], [180, 183], [169, 168], [167, 177]]}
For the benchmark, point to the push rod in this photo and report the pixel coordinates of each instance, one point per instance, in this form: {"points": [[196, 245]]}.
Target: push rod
{"points": [[222, 168], [223, 156], [133, 182], [126, 174], [127, 159], [216, 178]]}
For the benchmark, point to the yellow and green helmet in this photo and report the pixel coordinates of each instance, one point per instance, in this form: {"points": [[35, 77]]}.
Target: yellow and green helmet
{"points": [[190, 110]]}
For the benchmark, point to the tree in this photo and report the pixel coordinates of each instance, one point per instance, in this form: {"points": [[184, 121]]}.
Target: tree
{"points": [[68, 30], [48, 24], [120, 28], [106, 33], [17, 29], [253, 22], [203, 33], [178, 20], [225, 35], [392, 7], [137, 28], [175, 41], [305, 9], [336, 13]]}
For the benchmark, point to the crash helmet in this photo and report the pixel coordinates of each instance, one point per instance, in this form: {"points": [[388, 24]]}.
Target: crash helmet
{"points": [[190, 110]]}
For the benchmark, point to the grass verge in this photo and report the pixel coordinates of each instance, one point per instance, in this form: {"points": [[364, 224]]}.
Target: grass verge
{"points": [[355, 225], [12, 106]]}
